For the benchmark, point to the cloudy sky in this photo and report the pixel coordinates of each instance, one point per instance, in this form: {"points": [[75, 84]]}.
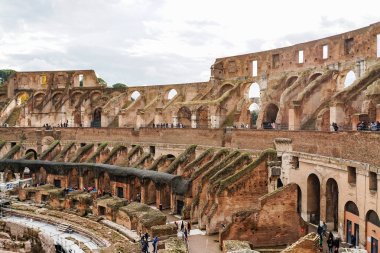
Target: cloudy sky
{"points": [[162, 41]]}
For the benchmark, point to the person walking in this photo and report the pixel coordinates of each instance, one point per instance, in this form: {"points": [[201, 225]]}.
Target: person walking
{"points": [[154, 244], [336, 245], [188, 227], [330, 242], [182, 226]]}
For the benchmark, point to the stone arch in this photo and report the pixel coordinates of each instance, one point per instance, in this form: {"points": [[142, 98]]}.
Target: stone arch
{"points": [[151, 192], [135, 189], [56, 97], [314, 76], [349, 79], [299, 199], [323, 120], [75, 98], [313, 198], [171, 94], [351, 221], [372, 225], [21, 98], [184, 116], [254, 91], [135, 95], [32, 151], [39, 98], [253, 110], [97, 117], [332, 201], [225, 87], [270, 113], [88, 178], [290, 80], [202, 117], [104, 182], [95, 95], [73, 179]]}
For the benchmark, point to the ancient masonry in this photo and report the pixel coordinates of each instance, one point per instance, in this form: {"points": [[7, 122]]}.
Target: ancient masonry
{"points": [[208, 151]]}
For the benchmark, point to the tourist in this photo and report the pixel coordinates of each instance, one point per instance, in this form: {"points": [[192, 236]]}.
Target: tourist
{"points": [[353, 241], [336, 245], [324, 226], [330, 242], [182, 226], [188, 227], [335, 126], [154, 244], [146, 236], [185, 235], [320, 230]]}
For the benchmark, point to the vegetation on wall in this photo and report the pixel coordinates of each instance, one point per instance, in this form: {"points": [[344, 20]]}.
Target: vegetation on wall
{"points": [[49, 149], [4, 74], [81, 152], [185, 156], [12, 152], [62, 154], [100, 148], [119, 85]]}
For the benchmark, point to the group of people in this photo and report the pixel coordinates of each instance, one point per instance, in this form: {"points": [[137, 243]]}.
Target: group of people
{"points": [[333, 244], [184, 229], [168, 125], [364, 126], [145, 243]]}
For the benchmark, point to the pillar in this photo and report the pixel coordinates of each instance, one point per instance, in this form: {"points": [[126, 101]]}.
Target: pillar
{"points": [[1, 177], [295, 117], [337, 114], [144, 192], [81, 184], [175, 120], [378, 112], [96, 183], [194, 120], [128, 193], [158, 196], [173, 203]]}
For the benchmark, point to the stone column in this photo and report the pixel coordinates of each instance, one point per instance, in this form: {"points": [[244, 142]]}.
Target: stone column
{"points": [[158, 197], [144, 192], [175, 120], [173, 203], [1, 177], [96, 183], [378, 112], [81, 186], [128, 193], [337, 114], [193, 120], [295, 117]]}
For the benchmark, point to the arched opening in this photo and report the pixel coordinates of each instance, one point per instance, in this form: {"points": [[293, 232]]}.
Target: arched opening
{"points": [[254, 91], [32, 151], [313, 199], [270, 115], [291, 80], [9, 176], [202, 117], [332, 193], [314, 76], [135, 95], [184, 116], [151, 193], [351, 222], [73, 179], [225, 88], [26, 173], [88, 179], [97, 118], [299, 200], [104, 183], [373, 234], [279, 183], [323, 120], [171, 94], [349, 79], [22, 98], [254, 113], [136, 189]]}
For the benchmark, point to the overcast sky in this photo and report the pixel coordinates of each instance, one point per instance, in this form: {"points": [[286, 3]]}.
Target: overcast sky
{"points": [[141, 42]]}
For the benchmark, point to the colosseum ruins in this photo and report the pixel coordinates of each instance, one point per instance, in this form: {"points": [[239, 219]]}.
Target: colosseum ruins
{"points": [[273, 145]]}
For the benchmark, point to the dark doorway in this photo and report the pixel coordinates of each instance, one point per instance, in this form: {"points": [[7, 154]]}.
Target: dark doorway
{"points": [[180, 205], [57, 183], [120, 192], [374, 245], [279, 183], [102, 210], [332, 203], [313, 199], [97, 118]]}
